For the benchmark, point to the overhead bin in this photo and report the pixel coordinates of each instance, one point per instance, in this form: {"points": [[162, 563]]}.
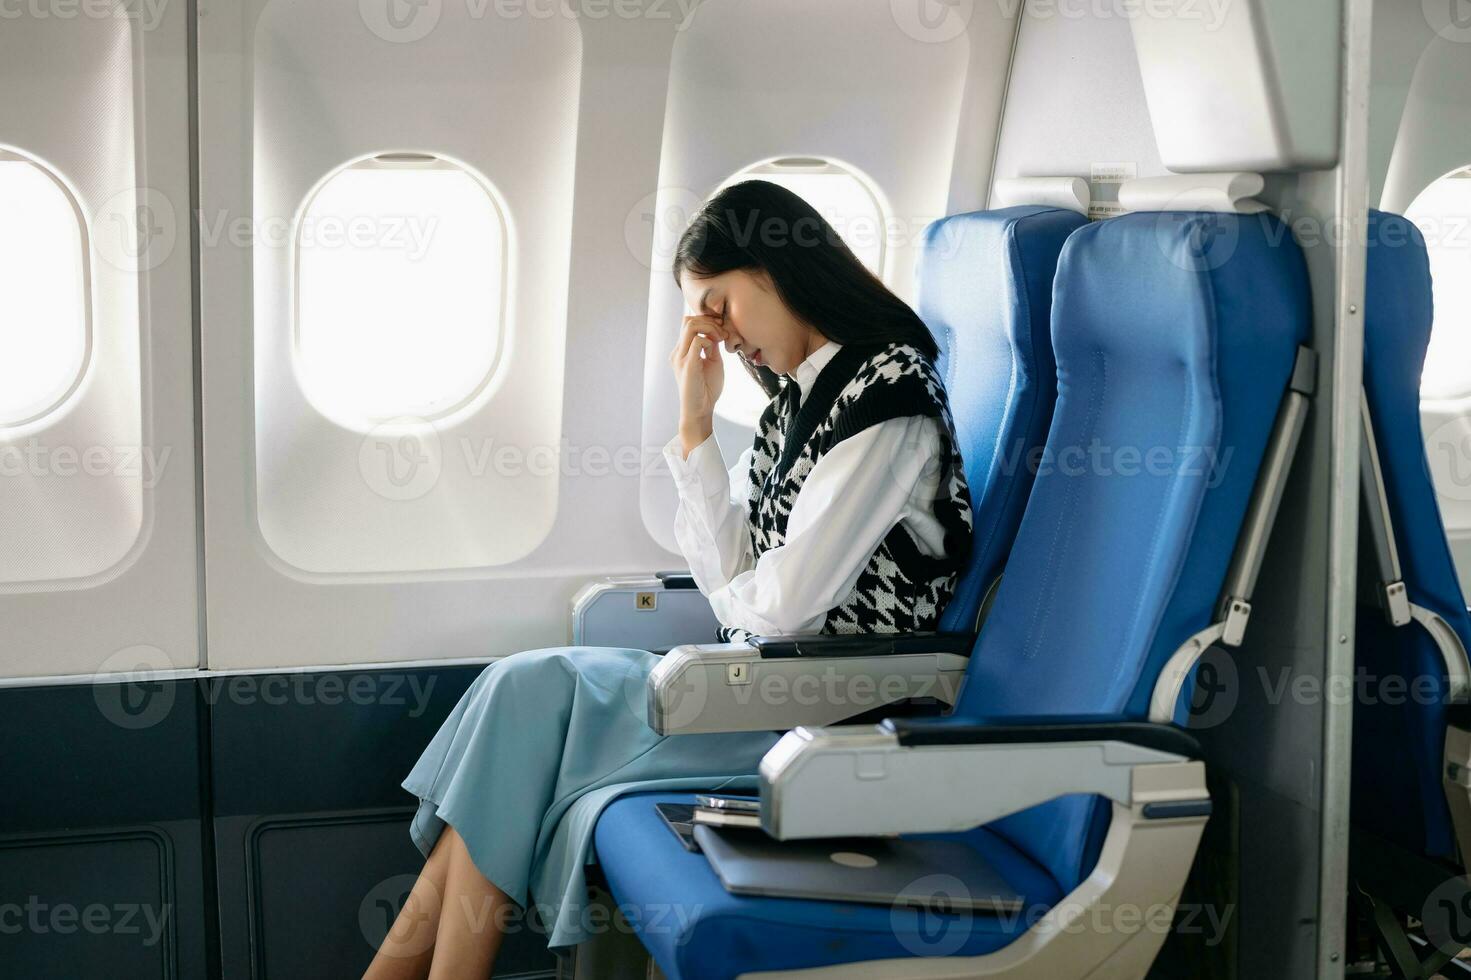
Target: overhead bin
{"points": [[1241, 84]]}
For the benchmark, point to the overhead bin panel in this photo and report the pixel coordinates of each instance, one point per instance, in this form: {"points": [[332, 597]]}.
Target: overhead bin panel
{"points": [[1241, 84]]}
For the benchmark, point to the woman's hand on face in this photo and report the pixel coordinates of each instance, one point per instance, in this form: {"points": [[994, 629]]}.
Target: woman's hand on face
{"points": [[700, 371]]}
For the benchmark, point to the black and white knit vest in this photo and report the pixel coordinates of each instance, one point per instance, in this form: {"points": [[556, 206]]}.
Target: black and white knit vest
{"points": [[901, 588]]}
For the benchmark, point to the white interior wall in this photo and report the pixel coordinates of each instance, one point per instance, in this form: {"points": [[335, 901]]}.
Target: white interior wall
{"points": [[334, 499], [315, 555], [61, 527], [264, 613], [1401, 35], [97, 508]]}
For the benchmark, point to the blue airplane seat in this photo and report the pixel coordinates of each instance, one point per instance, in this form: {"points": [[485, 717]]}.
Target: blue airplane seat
{"points": [[706, 931], [985, 292], [1400, 741], [1173, 332], [1191, 342]]}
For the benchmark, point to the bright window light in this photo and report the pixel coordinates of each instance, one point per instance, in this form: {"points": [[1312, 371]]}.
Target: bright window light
{"points": [[846, 203], [43, 291], [1443, 214], [400, 289]]}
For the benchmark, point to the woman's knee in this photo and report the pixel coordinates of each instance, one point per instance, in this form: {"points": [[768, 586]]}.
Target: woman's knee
{"points": [[546, 669]]}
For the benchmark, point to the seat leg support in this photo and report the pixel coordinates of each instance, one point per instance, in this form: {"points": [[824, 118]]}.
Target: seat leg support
{"points": [[614, 953], [1396, 947], [1456, 781]]}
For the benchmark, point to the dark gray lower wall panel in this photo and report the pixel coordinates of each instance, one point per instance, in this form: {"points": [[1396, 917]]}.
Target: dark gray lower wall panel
{"points": [[313, 856], [103, 835], [89, 904], [101, 859]]}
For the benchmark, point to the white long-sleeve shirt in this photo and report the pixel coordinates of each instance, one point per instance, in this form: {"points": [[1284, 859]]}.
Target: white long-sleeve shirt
{"points": [[855, 494]]}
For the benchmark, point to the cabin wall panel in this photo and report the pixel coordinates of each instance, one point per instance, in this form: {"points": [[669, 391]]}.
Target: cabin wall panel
{"points": [[98, 547], [264, 118], [1401, 35], [105, 792], [328, 545], [53, 879], [334, 498], [311, 824]]}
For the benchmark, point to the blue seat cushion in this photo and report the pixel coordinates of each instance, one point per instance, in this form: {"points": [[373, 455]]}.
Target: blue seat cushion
{"points": [[696, 930], [1399, 733], [984, 282]]}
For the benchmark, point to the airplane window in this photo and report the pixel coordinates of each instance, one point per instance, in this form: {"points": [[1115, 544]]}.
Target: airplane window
{"points": [[847, 203], [401, 266], [1443, 214], [43, 291]]}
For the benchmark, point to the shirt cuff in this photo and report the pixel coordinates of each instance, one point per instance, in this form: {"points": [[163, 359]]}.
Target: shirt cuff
{"points": [[704, 467]]}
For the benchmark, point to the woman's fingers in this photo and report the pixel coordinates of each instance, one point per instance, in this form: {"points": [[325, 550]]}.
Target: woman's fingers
{"points": [[692, 364], [694, 367], [695, 326]]}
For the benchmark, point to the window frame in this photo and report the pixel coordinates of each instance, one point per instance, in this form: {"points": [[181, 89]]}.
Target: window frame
{"points": [[404, 160], [10, 154]]}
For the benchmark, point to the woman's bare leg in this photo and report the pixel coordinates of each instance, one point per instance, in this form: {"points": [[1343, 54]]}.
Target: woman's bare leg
{"points": [[407, 949], [472, 920]]}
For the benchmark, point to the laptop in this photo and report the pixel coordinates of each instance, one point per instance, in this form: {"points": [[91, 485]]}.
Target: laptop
{"points": [[939, 875]]}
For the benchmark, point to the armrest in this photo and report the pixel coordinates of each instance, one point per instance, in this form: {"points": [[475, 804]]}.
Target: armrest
{"points": [[654, 611], [676, 580], [743, 687], [908, 778], [1012, 731], [862, 644]]}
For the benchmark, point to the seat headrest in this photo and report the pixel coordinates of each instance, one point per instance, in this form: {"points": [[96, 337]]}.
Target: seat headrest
{"points": [[1224, 193], [1068, 193]]}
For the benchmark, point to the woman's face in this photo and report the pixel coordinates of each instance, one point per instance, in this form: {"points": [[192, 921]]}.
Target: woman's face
{"points": [[758, 325]]}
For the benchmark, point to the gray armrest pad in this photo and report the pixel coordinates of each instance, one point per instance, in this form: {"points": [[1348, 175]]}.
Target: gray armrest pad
{"points": [[1011, 731], [862, 644], [861, 781], [732, 687]]}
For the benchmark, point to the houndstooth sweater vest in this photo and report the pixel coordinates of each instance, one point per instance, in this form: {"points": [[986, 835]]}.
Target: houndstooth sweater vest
{"points": [[901, 589]]}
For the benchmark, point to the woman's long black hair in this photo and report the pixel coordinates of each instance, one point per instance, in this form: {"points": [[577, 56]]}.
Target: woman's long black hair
{"points": [[758, 225]]}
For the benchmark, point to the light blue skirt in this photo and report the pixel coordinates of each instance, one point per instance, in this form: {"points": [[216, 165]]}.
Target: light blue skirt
{"points": [[537, 747]]}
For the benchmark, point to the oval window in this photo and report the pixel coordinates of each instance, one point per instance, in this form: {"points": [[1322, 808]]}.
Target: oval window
{"points": [[44, 329], [401, 271]]}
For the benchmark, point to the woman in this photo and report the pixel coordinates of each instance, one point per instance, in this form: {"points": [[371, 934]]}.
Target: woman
{"points": [[848, 514]]}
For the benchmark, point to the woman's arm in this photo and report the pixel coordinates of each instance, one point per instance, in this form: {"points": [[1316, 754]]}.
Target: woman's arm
{"points": [[858, 491], [710, 525]]}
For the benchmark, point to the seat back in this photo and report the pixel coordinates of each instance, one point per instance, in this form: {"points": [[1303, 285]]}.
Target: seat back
{"points": [[985, 291], [1399, 738], [1175, 335]]}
